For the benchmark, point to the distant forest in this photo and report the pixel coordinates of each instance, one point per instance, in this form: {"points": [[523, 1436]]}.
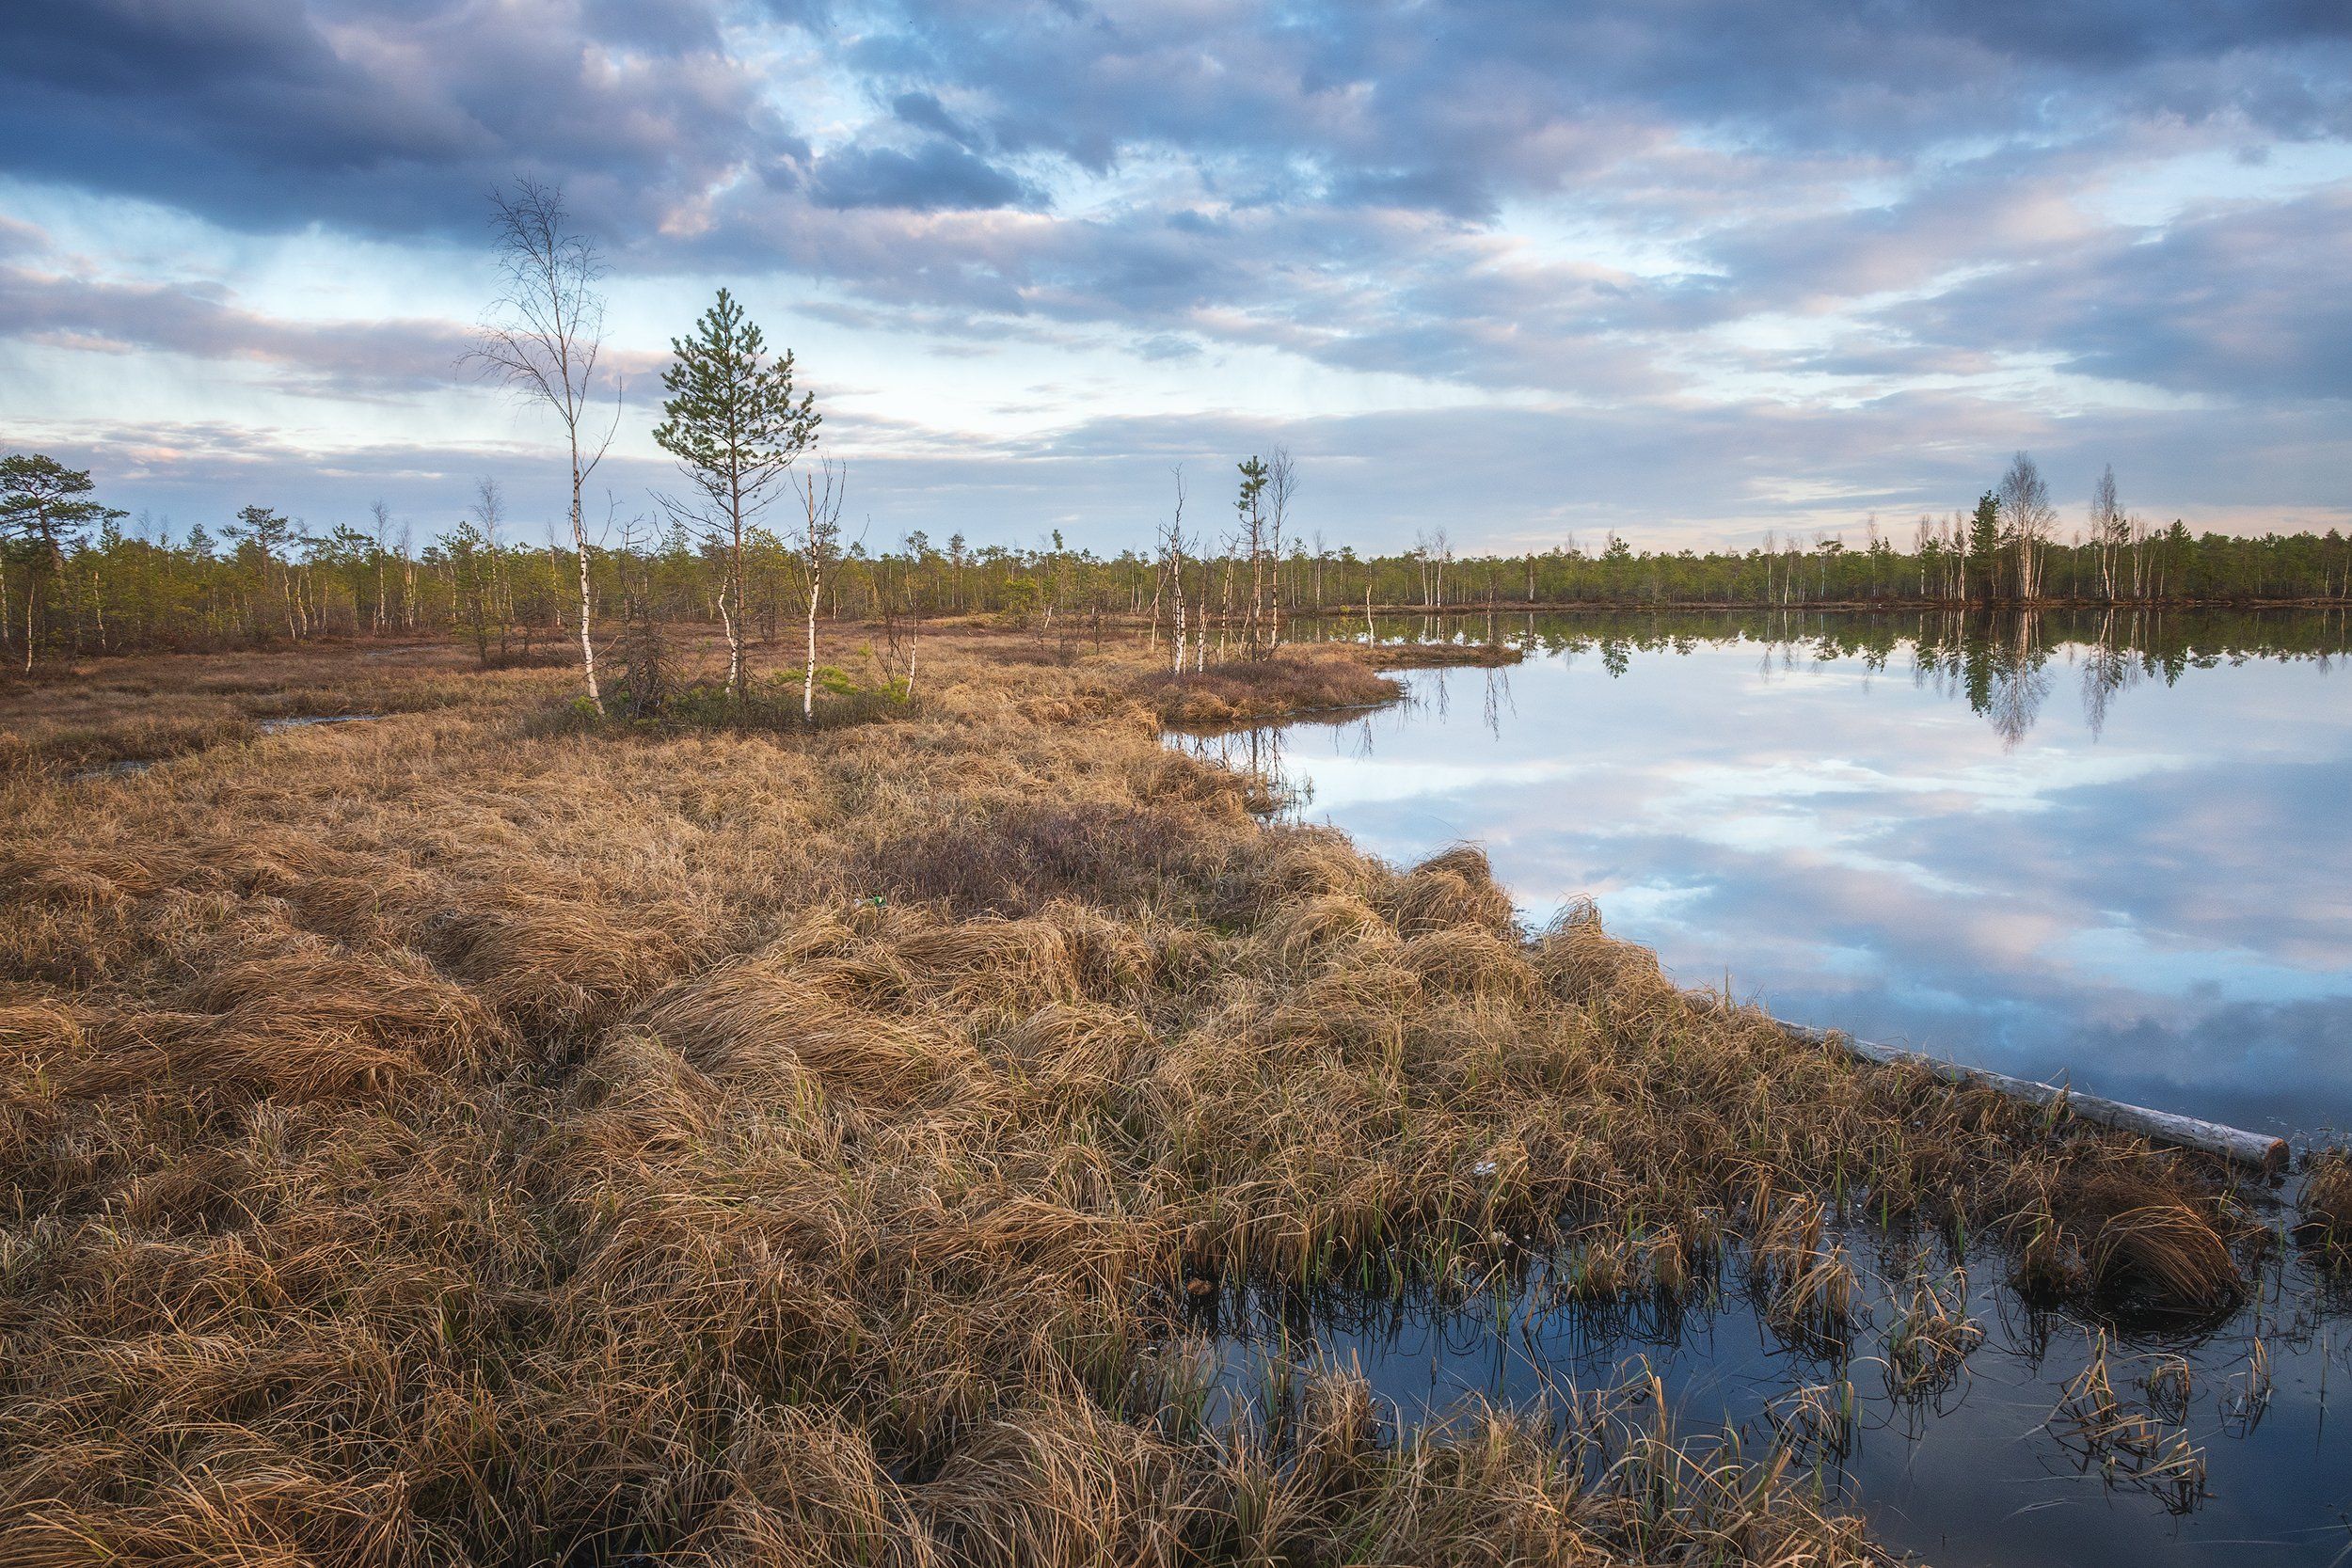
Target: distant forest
{"points": [[78, 577], [81, 578]]}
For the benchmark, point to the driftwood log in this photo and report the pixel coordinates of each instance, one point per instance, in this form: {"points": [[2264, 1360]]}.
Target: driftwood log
{"points": [[2255, 1150]]}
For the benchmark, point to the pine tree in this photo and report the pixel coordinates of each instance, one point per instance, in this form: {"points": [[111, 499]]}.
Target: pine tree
{"points": [[733, 424], [1984, 541], [272, 538], [1249, 506], [44, 506]]}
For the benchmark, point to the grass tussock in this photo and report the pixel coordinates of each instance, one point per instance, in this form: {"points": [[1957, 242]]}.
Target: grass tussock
{"points": [[1929, 1346], [456, 1139], [2324, 1223], [1290, 682], [770, 706], [2133, 1245]]}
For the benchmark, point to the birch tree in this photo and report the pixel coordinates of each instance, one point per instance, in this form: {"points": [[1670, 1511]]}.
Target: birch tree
{"points": [[1281, 484], [1172, 562], [543, 340], [2109, 533], [382, 517], [733, 424], [822, 495], [2028, 518]]}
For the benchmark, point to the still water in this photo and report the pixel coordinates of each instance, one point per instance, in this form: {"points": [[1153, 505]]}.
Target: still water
{"points": [[2113, 852], [2238, 1454], [2107, 851]]}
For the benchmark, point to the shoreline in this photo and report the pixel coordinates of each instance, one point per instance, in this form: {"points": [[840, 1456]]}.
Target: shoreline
{"points": [[1888, 606], [2267, 1157]]}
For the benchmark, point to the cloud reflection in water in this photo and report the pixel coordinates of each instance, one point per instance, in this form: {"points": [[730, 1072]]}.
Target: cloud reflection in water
{"points": [[2145, 891]]}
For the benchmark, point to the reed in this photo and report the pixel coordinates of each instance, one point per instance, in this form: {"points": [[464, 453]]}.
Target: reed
{"points": [[1927, 1347], [2128, 1446]]}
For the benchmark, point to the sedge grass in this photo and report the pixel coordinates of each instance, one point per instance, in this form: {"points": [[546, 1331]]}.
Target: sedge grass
{"points": [[464, 1138]]}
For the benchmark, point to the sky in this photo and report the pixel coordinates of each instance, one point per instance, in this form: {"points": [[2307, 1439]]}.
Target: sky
{"points": [[1521, 270]]}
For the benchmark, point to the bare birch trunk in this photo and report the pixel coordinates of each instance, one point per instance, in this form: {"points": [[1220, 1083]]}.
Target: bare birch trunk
{"points": [[808, 676], [580, 547]]}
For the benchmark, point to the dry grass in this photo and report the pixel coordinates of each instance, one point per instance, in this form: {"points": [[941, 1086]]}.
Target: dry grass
{"points": [[1436, 656], [1290, 682], [2326, 1222], [1927, 1349], [2130, 1447], [454, 1139]]}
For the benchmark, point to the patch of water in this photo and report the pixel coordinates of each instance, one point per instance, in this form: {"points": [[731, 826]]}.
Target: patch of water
{"points": [[1906, 830], [275, 726], [123, 769], [2233, 1459]]}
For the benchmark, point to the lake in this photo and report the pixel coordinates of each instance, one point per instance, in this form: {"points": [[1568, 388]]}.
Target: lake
{"points": [[2074, 848], [2104, 850]]}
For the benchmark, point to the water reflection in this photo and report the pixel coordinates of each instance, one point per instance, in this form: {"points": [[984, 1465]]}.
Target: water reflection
{"points": [[1989, 1463], [2148, 889]]}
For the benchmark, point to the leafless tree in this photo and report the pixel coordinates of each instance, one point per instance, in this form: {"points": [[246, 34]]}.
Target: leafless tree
{"points": [[544, 338], [903, 623], [822, 495], [1282, 486], [1172, 564], [383, 517], [408, 578], [2109, 533], [489, 511], [2029, 518]]}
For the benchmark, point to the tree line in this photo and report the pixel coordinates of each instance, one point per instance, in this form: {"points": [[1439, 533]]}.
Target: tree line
{"points": [[79, 576], [82, 578]]}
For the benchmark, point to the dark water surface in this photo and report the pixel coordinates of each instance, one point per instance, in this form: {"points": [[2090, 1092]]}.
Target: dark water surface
{"points": [[2109, 851], [1989, 1470]]}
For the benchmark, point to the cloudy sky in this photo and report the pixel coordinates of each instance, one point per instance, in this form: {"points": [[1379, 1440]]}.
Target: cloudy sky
{"points": [[1689, 269]]}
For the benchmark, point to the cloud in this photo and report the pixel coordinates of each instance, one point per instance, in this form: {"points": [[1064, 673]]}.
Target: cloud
{"points": [[926, 113], [936, 175], [1841, 255], [1454, 108], [1507, 478], [270, 115], [2238, 300], [352, 358], [20, 239]]}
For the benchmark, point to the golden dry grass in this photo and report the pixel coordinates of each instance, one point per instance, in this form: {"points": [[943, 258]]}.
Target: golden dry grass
{"points": [[457, 1138], [2326, 1222], [1288, 682]]}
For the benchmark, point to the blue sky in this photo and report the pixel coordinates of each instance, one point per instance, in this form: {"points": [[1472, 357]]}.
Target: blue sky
{"points": [[1689, 270]]}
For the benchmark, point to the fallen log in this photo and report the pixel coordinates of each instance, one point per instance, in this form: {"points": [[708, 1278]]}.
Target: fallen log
{"points": [[2256, 1151]]}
